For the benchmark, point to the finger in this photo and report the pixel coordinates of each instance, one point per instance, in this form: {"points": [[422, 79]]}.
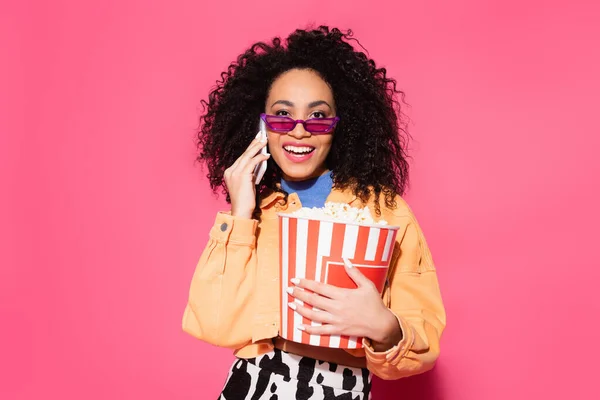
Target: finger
{"points": [[237, 162], [319, 316], [255, 146], [321, 288], [254, 162], [328, 329], [355, 274], [253, 143], [250, 153], [314, 299]]}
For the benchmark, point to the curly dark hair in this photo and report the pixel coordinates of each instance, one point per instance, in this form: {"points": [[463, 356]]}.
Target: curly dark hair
{"points": [[368, 152]]}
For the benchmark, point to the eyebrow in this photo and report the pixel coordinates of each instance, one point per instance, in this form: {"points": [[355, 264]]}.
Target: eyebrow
{"points": [[284, 102], [318, 103], [310, 105]]}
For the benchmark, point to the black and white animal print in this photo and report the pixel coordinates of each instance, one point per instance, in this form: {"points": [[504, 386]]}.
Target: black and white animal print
{"points": [[283, 376]]}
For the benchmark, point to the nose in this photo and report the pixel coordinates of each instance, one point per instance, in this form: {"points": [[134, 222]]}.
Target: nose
{"points": [[299, 132]]}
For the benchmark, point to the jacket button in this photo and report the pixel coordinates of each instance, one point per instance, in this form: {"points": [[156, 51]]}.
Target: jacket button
{"points": [[223, 227]]}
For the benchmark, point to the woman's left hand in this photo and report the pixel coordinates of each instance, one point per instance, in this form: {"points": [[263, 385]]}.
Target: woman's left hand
{"points": [[350, 312]]}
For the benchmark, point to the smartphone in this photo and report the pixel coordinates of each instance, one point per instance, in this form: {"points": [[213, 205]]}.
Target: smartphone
{"points": [[259, 170]]}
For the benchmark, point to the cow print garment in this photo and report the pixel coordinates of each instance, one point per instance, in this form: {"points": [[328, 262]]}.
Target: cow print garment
{"points": [[283, 376]]}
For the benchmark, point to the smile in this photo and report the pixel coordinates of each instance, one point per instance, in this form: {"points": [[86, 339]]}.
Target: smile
{"points": [[298, 153], [297, 150]]}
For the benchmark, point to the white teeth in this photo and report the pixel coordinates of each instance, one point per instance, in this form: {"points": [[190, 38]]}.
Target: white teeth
{"points": [[298, 150]]}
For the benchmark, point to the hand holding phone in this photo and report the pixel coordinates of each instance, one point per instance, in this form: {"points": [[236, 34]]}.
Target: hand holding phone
{"points": [[244, 174], [259, 170]]}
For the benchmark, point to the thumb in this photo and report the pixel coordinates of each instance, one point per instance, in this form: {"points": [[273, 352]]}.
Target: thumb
{"points": [[355, 274]]}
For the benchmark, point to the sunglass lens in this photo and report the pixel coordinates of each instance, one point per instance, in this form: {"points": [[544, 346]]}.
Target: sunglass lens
{"points": [[319, 125], [283, 124]]}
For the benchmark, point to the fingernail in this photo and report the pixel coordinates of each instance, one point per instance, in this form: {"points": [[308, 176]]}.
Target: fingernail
{"points": [[295, 281], [301, 328], [290, 290], [292, 305], [347, 262]]}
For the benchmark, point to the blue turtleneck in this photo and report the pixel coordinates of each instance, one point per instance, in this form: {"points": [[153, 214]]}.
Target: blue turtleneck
{"points": [[312, 192]]}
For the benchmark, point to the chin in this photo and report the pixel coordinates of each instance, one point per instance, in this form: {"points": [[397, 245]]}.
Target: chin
{"points": [[299, 172]]}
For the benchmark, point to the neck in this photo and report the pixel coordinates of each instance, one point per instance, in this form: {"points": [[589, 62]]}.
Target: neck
{"points": [[318, 173], [312, 192]]}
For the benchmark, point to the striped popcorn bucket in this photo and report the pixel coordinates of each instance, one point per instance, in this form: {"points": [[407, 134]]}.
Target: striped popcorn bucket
{"points": [[313, 249]]}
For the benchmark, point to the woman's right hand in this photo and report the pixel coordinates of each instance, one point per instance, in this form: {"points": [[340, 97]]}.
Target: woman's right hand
{"points": [[239, 179]]}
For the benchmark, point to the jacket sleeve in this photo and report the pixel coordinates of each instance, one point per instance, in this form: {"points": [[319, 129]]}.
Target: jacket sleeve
{"points": [[219, 309], [415, 299]]}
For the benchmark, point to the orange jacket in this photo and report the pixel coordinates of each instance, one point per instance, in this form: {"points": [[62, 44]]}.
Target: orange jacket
{"points": [[234, 293]]}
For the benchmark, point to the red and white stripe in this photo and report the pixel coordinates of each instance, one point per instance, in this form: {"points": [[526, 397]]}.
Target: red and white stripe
{"points": [[313, 249]]}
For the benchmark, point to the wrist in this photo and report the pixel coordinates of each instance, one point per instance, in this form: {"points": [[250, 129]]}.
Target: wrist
{"points": [[386, 331], [241, 214]]}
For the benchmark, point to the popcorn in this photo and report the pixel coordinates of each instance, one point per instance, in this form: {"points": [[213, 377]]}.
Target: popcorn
{"points": [[321, 238], [340, 212]]}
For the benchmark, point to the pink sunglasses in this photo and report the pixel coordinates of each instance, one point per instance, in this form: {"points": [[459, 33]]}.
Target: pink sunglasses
{"points": [[316, 126]]}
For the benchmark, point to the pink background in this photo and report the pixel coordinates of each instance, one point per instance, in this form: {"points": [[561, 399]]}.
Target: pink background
{"points": [[104, 213]]}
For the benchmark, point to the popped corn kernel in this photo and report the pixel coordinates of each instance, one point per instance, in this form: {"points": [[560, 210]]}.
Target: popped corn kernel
{"points": [[341, 212]]}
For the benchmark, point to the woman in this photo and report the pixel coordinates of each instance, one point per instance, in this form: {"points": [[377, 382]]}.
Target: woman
{"points": [[335, 134]]}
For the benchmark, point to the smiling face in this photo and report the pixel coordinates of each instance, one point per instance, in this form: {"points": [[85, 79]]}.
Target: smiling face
{"points": [[300, 94]]}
